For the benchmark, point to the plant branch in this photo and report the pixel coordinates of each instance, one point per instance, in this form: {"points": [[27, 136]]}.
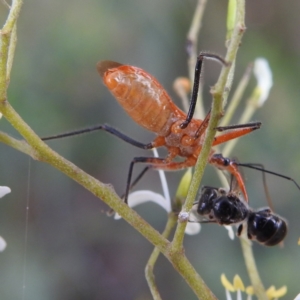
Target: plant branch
{"points": [[21, 146], [252, 269], [6, 46], [237, 96], [172, 219], [191, 47]]}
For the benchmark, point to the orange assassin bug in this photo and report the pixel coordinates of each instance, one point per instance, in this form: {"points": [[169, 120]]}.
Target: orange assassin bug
{"points": [[149, 105]]}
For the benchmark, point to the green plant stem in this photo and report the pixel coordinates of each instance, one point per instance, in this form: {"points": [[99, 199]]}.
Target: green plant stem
{"points": [[21, 146], [192, 36], [172, 219], [183, 266], [252, 269], [192, 41], [6, 45], [6, 4], [237, 96], [11, 52]]}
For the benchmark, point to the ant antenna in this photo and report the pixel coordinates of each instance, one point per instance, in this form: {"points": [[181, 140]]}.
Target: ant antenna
{"points": [[231, 182]]}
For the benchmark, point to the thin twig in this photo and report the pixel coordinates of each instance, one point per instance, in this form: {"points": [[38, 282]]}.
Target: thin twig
{"points": [[172, 219], [5, 43], [192, 50], [237, 96], [249, 111], [252, 268], [6, 4]]}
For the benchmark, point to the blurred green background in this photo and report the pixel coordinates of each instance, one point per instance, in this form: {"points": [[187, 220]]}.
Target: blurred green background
{"points": [[74, 251]]}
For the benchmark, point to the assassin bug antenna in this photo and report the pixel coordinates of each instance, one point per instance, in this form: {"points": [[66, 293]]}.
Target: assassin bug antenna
{"points": [[197, 76]]}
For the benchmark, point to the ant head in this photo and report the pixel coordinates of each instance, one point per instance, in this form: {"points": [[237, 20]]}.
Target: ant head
{"points": [[208, 195]]}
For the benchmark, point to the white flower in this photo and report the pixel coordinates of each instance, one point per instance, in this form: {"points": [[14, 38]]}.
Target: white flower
{"points": [[143, 196], [297, 297], [192, 228], [263, 74], [2, 244], [231, 233], [140, 197], [3, 191]]}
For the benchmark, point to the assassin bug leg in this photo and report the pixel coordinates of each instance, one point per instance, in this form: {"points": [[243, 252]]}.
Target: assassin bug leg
{"points": [[104, 127], [226, 164]]}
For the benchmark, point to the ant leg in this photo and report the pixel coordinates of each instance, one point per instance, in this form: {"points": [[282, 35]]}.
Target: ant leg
{"points": [[240, 230], [106, 128], [202, 221], [194, 96]]}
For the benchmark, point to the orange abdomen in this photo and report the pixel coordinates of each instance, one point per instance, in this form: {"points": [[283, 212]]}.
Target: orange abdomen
{"points": [[141, 95]]}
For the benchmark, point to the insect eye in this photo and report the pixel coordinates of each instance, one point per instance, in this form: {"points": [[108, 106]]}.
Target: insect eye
{"points": [[206, 201], [226, 161]]}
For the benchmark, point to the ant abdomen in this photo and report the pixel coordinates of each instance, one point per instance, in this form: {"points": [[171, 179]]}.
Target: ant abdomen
{"points": [[267, 228]]}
